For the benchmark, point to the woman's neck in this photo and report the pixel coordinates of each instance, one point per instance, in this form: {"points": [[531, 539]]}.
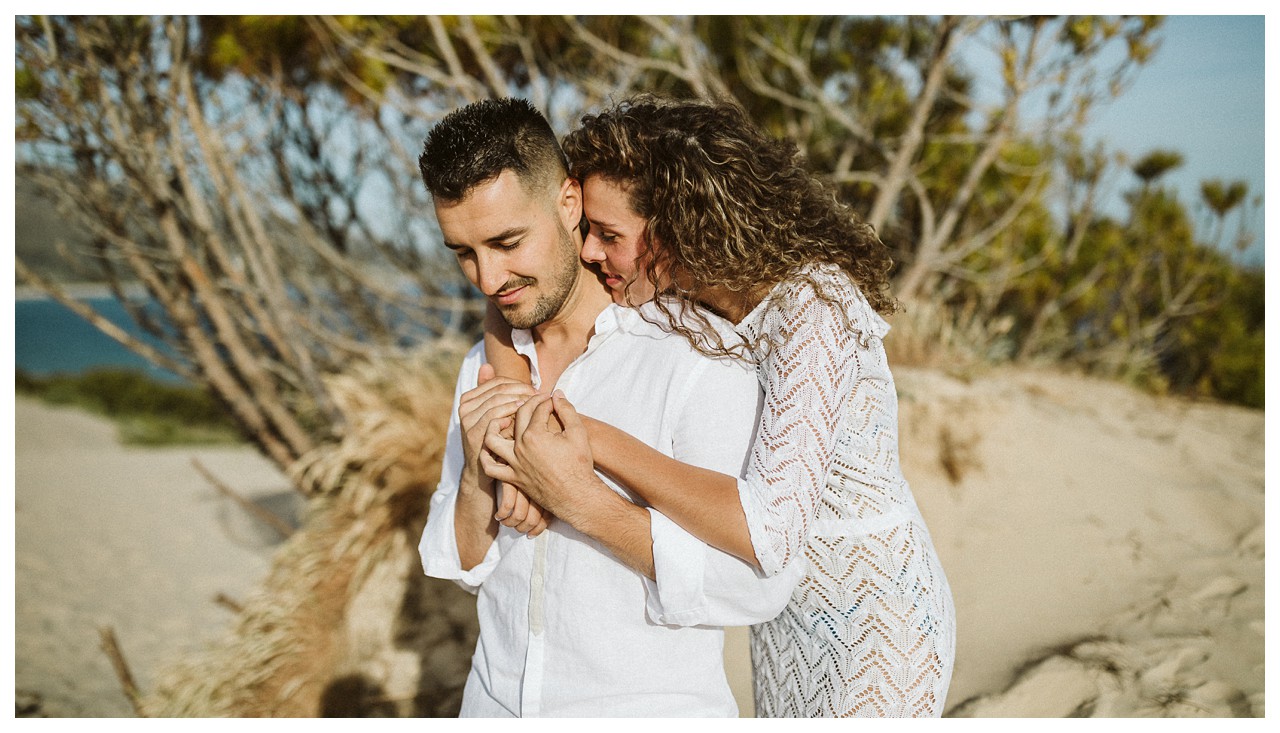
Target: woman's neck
{"points": [[734, 306]]}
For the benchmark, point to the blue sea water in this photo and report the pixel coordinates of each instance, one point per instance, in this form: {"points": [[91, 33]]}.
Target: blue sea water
{"points": [[51, 339]]}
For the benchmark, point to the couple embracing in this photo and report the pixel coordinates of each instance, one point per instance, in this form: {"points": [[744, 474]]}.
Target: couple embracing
{"points": [[681, 419]]}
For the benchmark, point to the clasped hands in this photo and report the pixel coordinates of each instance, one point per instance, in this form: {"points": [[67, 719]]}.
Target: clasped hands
{"points": [[534, 445]]}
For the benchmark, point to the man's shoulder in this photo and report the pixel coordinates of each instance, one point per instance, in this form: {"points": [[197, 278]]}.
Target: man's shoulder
{"points": [[668, 351], [654, 320]]}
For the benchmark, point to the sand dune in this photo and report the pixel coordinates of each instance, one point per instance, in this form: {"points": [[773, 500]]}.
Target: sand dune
{"points": [[1105, 548]]}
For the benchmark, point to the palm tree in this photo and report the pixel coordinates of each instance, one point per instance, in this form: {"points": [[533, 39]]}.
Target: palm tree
{"points": [[1221, 199], [1156, 164]]}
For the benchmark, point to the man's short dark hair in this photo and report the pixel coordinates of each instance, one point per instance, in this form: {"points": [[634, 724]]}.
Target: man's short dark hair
{"points": [[476, 143]]}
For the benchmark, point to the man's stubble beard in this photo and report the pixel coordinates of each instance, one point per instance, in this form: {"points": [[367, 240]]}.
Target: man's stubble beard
{"points": [[560, 283]]}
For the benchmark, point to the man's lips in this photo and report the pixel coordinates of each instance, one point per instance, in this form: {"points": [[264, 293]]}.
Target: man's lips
{"points": [[507, 297]]}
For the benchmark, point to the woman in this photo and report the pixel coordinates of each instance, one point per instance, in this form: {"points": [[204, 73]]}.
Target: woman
{"points": [[689, 199]]}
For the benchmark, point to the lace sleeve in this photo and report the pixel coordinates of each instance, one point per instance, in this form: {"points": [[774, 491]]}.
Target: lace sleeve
{"points": [[809, 367]]}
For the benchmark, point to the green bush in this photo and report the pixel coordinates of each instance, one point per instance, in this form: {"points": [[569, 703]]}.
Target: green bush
{"points": [[148, 412]]}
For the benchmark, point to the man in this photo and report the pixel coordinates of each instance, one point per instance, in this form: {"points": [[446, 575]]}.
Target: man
{"points": [[612, 610]]}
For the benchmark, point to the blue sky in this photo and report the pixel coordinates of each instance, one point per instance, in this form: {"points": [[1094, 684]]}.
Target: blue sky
{"points": [[1202, 95]]}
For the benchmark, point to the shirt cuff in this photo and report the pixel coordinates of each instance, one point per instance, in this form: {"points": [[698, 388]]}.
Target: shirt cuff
{"points": [[677, 597], [438, 548], [770, 564]]}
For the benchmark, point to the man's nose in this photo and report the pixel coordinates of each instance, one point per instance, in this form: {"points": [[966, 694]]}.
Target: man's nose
{"points": [[490, 276]]}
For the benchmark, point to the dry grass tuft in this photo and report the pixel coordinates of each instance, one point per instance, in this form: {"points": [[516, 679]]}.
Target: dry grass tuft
{"points": [[928, 334], [338, 626]]}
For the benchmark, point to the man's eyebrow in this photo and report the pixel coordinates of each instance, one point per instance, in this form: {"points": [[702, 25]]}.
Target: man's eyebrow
{"points": [[507, 234], [501, 236]]}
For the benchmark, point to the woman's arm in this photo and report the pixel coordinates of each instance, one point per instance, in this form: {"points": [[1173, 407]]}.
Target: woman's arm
{"points": [[703, 502], [810, 374], [513, 508], [499, 350], [555, 466]]}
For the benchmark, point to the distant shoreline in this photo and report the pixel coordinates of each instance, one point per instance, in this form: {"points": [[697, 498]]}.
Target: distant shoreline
{"points": [[79, 291]]}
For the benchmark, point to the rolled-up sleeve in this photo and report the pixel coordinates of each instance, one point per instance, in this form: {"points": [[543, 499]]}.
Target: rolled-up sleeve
{"points": [[696, 584], [439, 544]]}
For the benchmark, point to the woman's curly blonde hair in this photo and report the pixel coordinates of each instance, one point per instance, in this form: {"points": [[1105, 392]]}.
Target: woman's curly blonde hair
{"points": [[728, 208]]}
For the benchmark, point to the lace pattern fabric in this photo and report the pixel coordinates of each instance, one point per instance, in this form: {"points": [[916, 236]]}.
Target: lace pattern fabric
{"points": [[870, 631]]}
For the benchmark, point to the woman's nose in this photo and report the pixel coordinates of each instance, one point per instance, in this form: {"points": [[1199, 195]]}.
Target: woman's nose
{"points": [[592, 251]]}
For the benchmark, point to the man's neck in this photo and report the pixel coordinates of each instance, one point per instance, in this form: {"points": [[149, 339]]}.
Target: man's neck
{"points": [[562, 338]]}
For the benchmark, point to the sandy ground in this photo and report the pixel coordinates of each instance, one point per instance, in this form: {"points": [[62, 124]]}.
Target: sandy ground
{"points": [[1105, 548], [132, 539]]}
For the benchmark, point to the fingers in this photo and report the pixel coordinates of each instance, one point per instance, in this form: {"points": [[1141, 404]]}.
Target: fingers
{"points": [[524, 415], [500, 447], [541, 526], [506, 503], [544, 415], [496, 469], [564, 409], [486, 373], [501, 410], [531, 519], [494, 390], [516, 511], [494, 386], [498, 405]]}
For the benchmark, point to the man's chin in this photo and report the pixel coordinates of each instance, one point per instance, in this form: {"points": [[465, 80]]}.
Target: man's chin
{"points": [[516, 318]]}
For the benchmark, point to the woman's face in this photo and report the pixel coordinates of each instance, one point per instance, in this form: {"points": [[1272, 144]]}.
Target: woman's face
{"points": [[616, 241]]}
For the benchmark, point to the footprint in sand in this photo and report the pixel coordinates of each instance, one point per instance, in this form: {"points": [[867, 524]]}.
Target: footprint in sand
{"points": [[1253, 543], [1216, 595]]}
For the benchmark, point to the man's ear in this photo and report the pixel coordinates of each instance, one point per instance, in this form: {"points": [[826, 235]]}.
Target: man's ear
{"points": [[569, 203]]}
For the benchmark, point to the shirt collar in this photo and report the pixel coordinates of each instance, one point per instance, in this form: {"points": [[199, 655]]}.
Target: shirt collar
{"points": [[613, 317]]}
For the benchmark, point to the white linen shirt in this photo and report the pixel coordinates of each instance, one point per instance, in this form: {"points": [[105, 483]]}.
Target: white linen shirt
{"points": [[566, 629]]}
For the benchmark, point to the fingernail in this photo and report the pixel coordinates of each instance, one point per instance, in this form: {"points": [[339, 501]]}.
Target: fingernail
{"points": [[558, 393]]}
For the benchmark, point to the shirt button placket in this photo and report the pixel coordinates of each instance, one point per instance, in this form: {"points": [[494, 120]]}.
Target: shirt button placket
{"points": [[531, 693]]}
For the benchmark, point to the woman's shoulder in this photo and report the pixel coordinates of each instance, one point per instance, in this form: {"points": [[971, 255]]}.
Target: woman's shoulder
{"points": [[821, 290]]}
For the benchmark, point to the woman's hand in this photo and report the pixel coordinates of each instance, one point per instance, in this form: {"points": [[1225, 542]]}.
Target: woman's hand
{"points": [[548, 456]]}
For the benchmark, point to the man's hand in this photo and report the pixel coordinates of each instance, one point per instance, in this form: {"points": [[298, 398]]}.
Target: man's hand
{"points": [[552, 464], [549, 456], [496, 398]]}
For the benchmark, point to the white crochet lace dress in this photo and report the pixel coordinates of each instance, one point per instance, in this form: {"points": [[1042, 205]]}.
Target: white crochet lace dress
{"points": [[870, 631]]}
